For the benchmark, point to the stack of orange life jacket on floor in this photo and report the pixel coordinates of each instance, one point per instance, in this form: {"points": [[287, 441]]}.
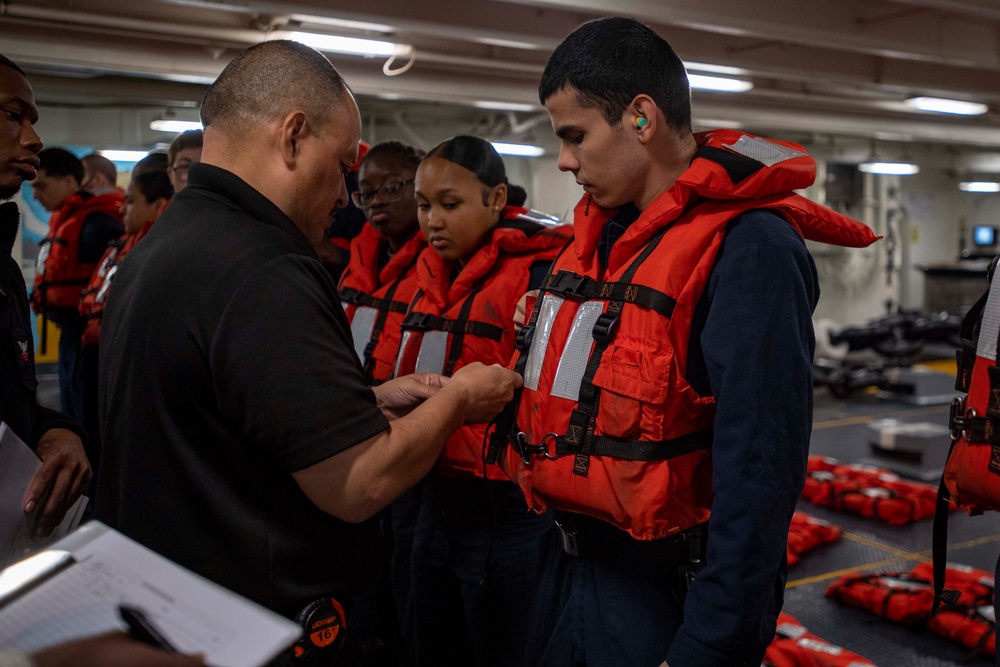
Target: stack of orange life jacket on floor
{"points": [[794, 646], [806, 533], [867, 491], [907, 598]]}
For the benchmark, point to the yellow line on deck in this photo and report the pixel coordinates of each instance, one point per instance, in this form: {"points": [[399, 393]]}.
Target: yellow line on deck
{"points": [[902, 557], [847, 421]]}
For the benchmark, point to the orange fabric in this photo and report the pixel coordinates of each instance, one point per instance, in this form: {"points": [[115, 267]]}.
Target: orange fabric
{"points": [[807, 533], [496, 277], [897, 596], [975, 587], [794, 646], [94, 296], [61, 276], [907, 598], [972, 473], [364, 276], [645, 395], [868, 491]]}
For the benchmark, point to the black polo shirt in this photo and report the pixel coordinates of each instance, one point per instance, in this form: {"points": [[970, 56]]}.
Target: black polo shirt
{"points": [[227, 364]]}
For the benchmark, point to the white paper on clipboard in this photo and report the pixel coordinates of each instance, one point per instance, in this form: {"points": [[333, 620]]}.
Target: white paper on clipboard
{"points": [[194, 614]]}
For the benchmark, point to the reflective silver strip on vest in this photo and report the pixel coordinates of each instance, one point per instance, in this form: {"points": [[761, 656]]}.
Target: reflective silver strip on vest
{"points": [[102, 293], [573, 362], [990, 328], [430, 359], [763, 150], [344, 305], [361, 329], [540, 341], [404, 340]]}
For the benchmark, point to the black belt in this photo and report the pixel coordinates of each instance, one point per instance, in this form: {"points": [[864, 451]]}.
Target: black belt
{"points": [[587, 537]]}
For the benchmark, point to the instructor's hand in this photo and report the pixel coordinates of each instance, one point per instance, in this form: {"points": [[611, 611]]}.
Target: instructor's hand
{"points": [[487, 389], [397, 398]]}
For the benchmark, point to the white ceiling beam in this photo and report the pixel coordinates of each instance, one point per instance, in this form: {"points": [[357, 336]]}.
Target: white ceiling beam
{"points": [[847, 25]]}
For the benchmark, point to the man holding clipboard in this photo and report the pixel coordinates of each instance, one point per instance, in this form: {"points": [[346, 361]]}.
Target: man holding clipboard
{"points": [[56, 438]]}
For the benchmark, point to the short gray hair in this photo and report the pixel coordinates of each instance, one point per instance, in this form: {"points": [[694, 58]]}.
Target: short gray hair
{"points": [[269, 80]]}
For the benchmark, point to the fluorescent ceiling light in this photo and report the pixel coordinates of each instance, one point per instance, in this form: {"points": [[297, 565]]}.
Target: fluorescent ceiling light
{"points": [[889, 168], [941, 105], [504, 106], [178, 126], [508, 43], [979, 186], [349, 45], [716, 69], [519, 150], [124, 156], [723, 84], [342, 23]]}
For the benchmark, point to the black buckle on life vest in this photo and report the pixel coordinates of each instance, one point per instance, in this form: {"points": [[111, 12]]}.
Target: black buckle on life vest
{"points": [[524, 338], [527, 450], [565, 282], [417, 320], [606, 327], [960, 419]]}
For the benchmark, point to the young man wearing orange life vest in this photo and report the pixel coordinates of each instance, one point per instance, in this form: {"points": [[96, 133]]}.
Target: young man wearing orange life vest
{"points": [[667, 386], [80, 229], [475, 545]]}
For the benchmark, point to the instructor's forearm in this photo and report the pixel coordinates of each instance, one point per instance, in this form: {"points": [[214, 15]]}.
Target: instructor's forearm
{"points": [[358, 482]]}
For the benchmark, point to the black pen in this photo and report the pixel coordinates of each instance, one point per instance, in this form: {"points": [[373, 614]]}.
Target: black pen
{"points": [[141, 629]]}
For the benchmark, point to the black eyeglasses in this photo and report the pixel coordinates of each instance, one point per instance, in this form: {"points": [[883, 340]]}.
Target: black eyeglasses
{"points": [[388, 193]]}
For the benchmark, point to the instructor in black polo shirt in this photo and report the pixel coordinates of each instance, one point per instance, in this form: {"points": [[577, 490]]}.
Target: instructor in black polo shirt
{"points": [[241, 439]]}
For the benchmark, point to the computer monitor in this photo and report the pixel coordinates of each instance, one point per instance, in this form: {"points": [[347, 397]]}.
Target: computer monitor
{"points": [[984, 236]]}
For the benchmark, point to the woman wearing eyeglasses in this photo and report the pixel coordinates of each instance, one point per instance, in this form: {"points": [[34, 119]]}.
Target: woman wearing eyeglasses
{"points": [[476, 543], [376, 287], [380, 280]]}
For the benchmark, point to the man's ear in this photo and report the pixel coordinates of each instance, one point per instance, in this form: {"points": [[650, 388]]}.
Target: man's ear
{"points": [[293, 129], [643, 117]]}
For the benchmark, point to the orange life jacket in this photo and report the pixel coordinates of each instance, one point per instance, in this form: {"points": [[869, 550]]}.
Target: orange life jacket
{"points": [[795, 646], [867, 491], [805, 533], [60, 276], [971, 477], [897, 596], [376, 300], [452, 323], [908, 598], [607, 419], [94, 296]]}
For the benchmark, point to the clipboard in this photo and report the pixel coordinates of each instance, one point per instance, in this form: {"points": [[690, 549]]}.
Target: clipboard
{"points": [[73, 590]]}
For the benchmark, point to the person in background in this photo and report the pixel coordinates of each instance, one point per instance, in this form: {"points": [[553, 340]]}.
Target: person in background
{"points": [[347, 223], [80, 228], [380, 280], [154, 161], [240, 437], [667, 399], [99, 175], [376, 288], [475, 545], [516, 195], [184, 151], [147, 195], [55, 438]]}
